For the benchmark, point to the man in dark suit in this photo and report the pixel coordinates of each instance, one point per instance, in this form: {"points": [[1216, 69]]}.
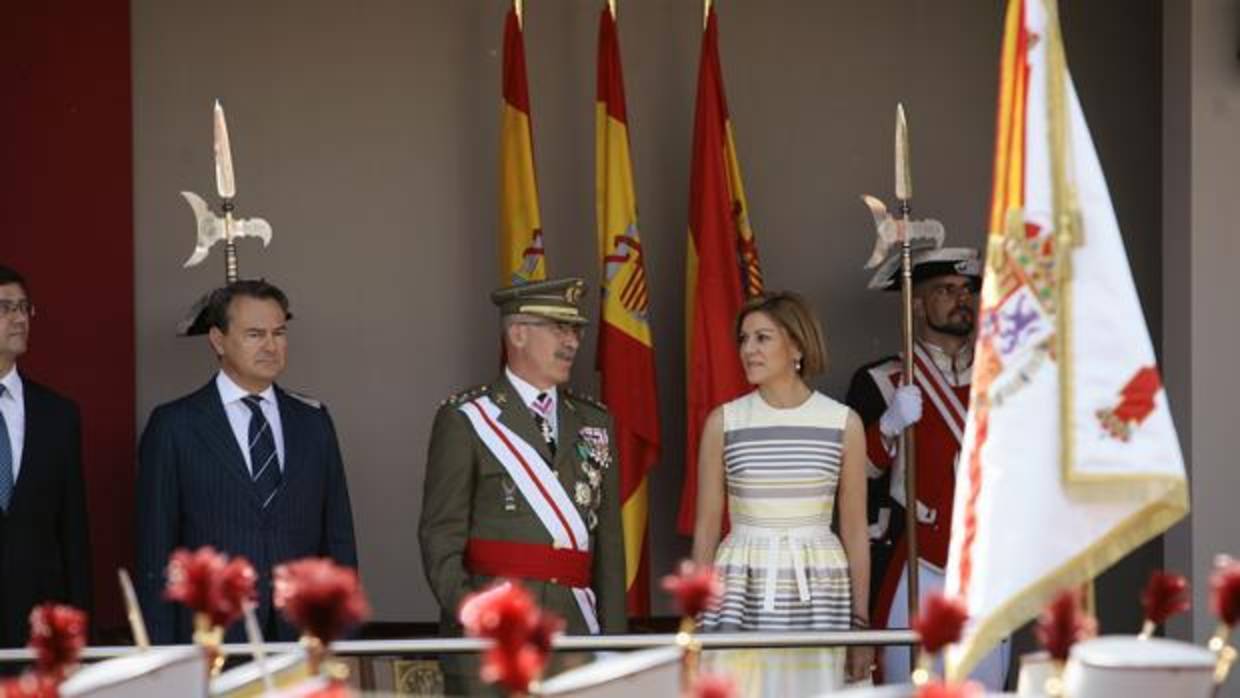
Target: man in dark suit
{"points": [[44, 544], [242, 465], [522, 482]]}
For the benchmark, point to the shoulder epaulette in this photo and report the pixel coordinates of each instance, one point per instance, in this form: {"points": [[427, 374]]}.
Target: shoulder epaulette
{"points": [[305, 399], [587, 399], [465, 395]]}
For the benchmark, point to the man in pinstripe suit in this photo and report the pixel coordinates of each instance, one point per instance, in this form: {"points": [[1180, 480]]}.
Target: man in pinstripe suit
{"points": [[240, 464]]}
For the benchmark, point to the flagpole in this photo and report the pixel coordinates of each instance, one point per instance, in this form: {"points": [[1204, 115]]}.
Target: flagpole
{"points": [[705, 13], [611, 5], [517, 5], [908, 460]]}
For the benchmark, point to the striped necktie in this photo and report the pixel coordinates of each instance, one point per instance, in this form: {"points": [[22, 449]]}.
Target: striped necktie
{"points": [[542, 417], [6, 461], [264, 460]]}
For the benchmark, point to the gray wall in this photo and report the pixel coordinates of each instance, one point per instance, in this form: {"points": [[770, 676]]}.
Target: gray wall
{"points": [[366, 132]]}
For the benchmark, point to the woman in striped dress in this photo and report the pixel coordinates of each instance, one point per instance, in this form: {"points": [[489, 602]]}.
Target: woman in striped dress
{"points": [[784, 455]]}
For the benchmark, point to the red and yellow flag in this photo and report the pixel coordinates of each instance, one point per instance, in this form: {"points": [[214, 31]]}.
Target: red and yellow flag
{"points": [[625, 345], [721, 266], [521, 256]]}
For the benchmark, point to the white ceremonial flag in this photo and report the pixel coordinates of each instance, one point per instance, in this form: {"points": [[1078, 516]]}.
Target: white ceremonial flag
{"points": [[1070, 459]]}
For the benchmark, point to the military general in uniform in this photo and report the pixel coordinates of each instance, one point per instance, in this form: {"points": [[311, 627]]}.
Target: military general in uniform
{"points": [[522, 480]]}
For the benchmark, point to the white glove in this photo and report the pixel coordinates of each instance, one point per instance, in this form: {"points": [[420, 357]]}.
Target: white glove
{"points": [[904, 411]]}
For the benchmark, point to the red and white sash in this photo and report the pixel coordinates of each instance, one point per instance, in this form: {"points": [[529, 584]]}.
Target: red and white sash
{"points": [[935, 387], [539, 486], [939, 393]]}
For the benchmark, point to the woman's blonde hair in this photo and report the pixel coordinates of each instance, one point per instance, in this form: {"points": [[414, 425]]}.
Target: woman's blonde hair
{"points": [[790, 311]]}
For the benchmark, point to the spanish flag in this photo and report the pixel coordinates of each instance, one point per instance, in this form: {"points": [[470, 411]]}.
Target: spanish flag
{"points": [[1070, 459], [625, 345], [721, 264], [520, 227]]}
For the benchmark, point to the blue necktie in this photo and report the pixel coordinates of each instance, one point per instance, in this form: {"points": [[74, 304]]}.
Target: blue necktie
{"points": [[6, 461], [264, 460]]}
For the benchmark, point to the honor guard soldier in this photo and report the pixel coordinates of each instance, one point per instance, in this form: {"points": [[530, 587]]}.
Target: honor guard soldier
{"points": [[945, 287], [522, 480]]}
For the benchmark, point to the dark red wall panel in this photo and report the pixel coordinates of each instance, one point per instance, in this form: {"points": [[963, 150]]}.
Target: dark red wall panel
{"points": [[66, 222]]}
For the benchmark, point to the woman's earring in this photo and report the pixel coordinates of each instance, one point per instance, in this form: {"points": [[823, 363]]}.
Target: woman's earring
{"points": [[797, 364]]}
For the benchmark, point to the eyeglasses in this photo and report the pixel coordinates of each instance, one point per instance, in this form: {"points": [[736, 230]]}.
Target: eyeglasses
{"points": [[9, 308], [561, 329]]}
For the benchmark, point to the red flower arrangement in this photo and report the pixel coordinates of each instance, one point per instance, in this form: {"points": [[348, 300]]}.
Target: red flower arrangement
{"points": [[695, 588], [1225, 590], [938, 689], [940, 622], [209, 583], [30, 685], [1063, 623], [1165, 595], [714, 686], [522, 632], [57, 635], [324, 600]]}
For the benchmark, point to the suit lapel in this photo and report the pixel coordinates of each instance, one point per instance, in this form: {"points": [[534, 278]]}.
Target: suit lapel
{"points": [[516, 415], [216, 431], [32, 438], [291, 426]]}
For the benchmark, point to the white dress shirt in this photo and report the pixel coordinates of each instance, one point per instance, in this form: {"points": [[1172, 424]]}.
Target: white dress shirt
{"points": [[529, 393], [13, 407], [239, 416]]}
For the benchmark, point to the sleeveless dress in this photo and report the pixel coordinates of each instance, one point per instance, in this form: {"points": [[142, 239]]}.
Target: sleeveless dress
{"points": [[782, 567]]}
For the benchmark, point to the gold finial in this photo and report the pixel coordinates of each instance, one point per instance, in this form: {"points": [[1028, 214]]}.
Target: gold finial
{"points": [[611, 5], [705, 13], [904, 176], [518, 6]]}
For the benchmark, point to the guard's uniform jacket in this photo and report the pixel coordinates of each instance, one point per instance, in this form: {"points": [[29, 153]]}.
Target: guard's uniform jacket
{"points": [[944, 384]]}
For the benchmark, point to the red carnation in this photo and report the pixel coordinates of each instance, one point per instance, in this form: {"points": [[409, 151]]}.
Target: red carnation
{"points": [[1063, 624], [505, 613], [57, 635], [937, 689], [208, 582], [695, 588], [714, 686], [30, 685], [512, 668], [940, 622], [523, 634], [1165, 595], [1225, 590], [322, 599]]}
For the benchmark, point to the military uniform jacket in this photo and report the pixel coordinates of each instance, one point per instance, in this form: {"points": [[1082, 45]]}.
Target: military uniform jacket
{"points": [[468, 494]]}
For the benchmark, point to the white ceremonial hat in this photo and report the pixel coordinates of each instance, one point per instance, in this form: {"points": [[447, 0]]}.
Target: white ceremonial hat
{"points": [[653, 672], [1123, 666], [157, 672], [246, 680]]}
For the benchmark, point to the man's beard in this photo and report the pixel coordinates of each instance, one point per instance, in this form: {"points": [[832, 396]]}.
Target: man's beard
{"points": [[956, 328]]}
